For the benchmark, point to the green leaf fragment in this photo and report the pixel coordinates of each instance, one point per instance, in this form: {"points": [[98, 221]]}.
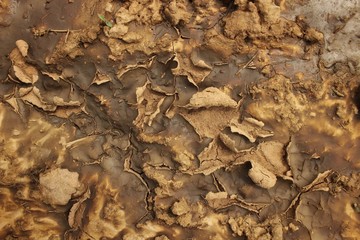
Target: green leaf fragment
{"points": [[108, 23]]}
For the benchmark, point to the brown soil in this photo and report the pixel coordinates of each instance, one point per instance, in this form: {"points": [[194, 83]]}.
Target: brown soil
{"points": [[233, 119]]}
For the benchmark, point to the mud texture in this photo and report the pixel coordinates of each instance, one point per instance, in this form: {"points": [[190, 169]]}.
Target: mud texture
{"points": [[180, 119]]}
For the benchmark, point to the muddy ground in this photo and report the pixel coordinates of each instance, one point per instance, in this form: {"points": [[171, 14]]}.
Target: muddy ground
{"points": [[180, 119]]}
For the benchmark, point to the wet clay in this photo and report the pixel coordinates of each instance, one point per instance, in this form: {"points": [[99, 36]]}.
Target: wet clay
{"points": [[167, 120]]}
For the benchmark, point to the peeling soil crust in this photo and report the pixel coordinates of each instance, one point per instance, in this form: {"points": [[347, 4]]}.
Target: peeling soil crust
{"points": [[180, 119]]}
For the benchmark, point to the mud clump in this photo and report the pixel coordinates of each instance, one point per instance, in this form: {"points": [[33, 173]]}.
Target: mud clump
{"points": [[178, 120], [58, 186]]}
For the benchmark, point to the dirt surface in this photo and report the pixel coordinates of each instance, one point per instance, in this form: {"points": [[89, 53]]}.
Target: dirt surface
{"points": [[180, 119]]}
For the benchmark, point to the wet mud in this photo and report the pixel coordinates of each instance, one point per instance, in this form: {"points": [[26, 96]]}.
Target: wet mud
{"points": [[179, 119]]}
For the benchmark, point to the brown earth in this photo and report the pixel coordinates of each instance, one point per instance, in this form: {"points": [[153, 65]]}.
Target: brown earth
{"points": [[180, 119]]}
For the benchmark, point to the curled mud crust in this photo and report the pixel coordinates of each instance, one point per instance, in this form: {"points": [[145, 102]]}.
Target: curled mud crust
{"points": [[179, 119]]}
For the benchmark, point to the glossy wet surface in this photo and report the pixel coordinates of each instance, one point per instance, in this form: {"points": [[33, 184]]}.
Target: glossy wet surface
{"points": [[180, 120]]}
